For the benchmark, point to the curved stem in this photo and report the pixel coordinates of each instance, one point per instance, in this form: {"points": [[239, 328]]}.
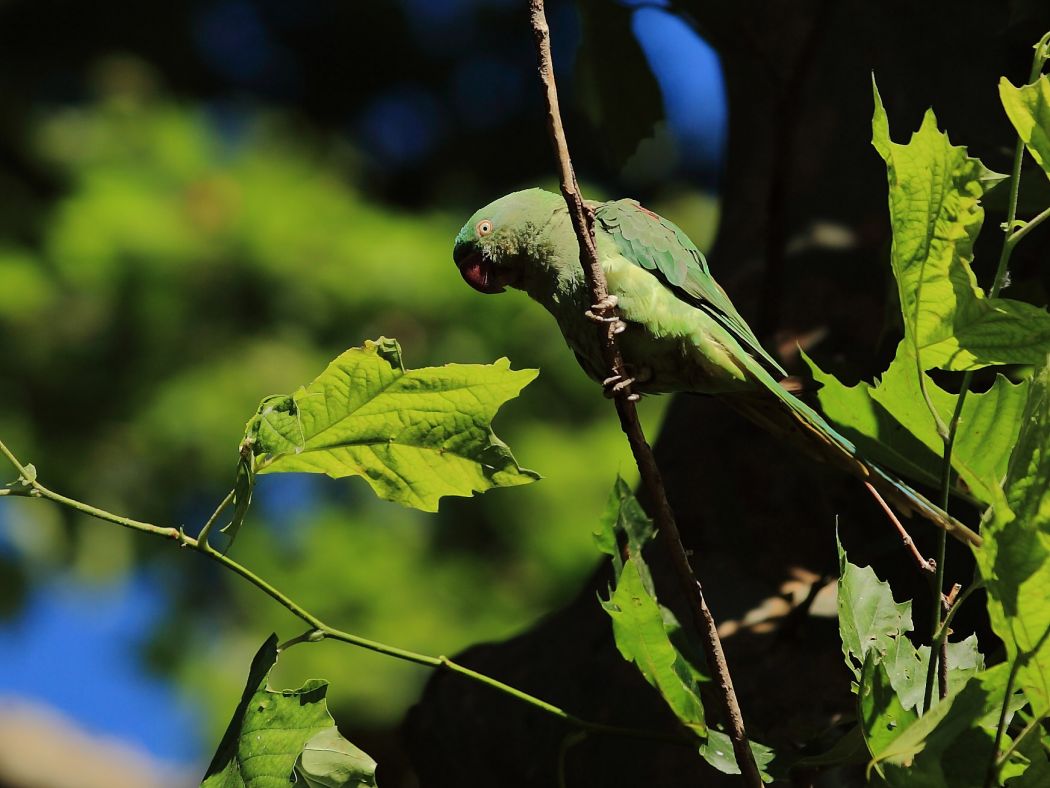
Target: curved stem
{"points": [[319, 629], [202, 537]]}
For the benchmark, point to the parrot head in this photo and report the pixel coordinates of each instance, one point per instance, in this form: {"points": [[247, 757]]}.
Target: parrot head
{"points": [[493, 250]]}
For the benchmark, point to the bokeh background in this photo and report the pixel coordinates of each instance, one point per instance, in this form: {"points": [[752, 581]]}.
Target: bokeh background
{"points": [[202, 203]]}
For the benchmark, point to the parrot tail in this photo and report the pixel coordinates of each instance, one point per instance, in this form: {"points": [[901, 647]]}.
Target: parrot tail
{"points": [[790, 418]]}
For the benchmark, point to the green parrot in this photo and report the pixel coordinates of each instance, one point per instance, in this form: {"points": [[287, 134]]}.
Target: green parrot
{"points": [[680, 331]]}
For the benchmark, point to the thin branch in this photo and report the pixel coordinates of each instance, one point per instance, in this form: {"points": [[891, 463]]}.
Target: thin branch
{"points": [[924, 566], [583, 223], [320, 630]]}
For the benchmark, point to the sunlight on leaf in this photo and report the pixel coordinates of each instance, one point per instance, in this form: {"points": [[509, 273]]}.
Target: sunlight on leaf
{"points": [[1015, 557], [935, 193], [648, 634], [414, 435], [1028, 108], [890, 423], [640, 636]]}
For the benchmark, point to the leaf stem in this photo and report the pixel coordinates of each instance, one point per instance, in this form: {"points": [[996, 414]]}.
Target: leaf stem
{"points": [[1035, 724], [583, 225], [319, 629], [202, 537], [991, 774]]}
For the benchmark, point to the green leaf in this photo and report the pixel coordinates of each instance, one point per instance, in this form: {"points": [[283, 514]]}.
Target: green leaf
{"points": [[638, 628], [624, 522], [952, 743], [718, 751], [1030, 765], [882, 715], [649, 635], [271, 730], [414, 435], [874, 627], [243, 486], [1028, 108], [330, 761], [1015, 557], [869, 618], [892, 426], [935, 211]]}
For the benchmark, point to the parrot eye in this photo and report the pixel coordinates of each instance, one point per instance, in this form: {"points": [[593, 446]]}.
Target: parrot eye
{"points": [[483, 228]]}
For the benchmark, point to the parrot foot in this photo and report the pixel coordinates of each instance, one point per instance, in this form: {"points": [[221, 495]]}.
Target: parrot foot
{"points": [[617, 383], [598, 311]]}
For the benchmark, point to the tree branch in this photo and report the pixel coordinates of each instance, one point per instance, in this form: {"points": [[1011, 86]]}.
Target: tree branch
{"points": [[319, 630], [583, 223]]}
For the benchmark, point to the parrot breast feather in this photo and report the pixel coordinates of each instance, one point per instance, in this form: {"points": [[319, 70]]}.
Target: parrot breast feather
{"points": [[654, 243]]}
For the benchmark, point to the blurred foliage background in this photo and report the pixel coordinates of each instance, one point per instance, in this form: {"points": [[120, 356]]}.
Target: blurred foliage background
{"points": [[206, 201]]}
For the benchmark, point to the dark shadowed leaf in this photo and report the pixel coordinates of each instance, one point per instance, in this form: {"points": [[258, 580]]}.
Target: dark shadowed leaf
{"points": [[243, 486], [952, 743]]}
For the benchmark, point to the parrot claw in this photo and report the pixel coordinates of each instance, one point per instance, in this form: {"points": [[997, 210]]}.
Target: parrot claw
{"points": [[599, 314], [617, 383]]}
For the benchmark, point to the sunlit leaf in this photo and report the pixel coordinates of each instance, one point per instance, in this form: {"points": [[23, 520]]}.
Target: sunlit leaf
{"points": [[648, 634], [1028, 108], [414, 435], [641, 638], [1015, 557], [271, 730], [891, 424], [935, 192]]}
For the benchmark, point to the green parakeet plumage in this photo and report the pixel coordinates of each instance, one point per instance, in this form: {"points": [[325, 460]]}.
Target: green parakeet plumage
{"points": [[683, 333]]}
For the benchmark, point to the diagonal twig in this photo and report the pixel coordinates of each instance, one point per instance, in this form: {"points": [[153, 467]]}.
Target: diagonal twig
{"points": [[926, 566], [583, 223]]}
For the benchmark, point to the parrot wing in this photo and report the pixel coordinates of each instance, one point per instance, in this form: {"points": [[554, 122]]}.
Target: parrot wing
{"points": [[659, 246]]}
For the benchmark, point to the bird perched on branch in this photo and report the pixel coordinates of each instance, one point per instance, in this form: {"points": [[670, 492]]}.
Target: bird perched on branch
{"points": [[678, 330]]}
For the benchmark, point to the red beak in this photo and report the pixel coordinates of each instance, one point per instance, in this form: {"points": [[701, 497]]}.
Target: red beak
{"points": [[478, 272]]}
